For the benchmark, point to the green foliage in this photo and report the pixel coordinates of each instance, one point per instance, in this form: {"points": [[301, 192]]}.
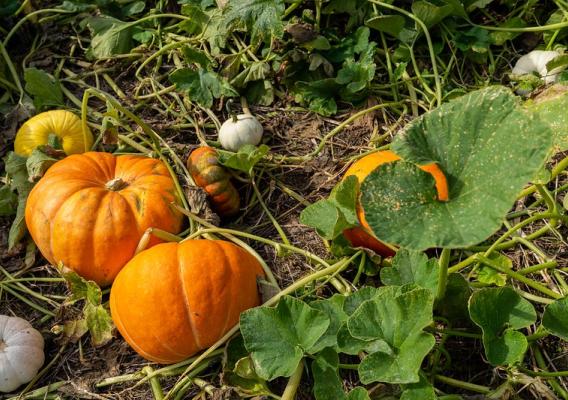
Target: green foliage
{"points": [[8, 201], [488, 275], [109, 36], [412, 267], [245, 159], [201, 86], [499, 312], [394, 319], [278, 338], [489, 130], [331, 216], [96, 317], [18, 174], [45, 90], [555, 318], [262, 18]]}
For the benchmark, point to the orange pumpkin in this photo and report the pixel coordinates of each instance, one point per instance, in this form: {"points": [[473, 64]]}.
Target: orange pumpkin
{"points": [[175, 299], [90, 210], [362, 236], [204, 168]]}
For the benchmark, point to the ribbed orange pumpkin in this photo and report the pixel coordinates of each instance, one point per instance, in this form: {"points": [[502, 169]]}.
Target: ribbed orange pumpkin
{"points": [[90, 210], [363, 236], [204, 168], [175, 299]]}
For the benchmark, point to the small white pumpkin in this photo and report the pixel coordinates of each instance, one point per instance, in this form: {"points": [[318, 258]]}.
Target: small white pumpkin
{"points": [[536, 61], [21, 352], [240, 130]]}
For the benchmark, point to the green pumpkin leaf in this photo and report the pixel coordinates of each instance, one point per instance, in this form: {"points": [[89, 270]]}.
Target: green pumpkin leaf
{"points": [[8, 201], [499, 312], [201, 86], [555, 318], [327, 383], [474, 139], [391, 24], [422, 390], [99, 323], [45, 90], [277, 338], [394, 319], [333, 308], [412, 267], [245, 159], [261, 18], [109, 36], [19, 182], [490, 276], [454, 304], [331, 216], [550, 106]]}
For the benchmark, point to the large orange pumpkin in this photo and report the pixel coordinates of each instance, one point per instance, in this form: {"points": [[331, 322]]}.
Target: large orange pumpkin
{"points": [[90, 210], [175, 299], [362, 236]]}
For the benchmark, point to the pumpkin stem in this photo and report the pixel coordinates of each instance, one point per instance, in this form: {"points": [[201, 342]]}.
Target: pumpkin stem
{"points": [[116, 184], [54, 141], [231, 113]]}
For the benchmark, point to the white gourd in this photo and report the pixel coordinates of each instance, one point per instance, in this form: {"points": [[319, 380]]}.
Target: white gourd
{"points": [[235, 134], [536, 61], [21, 352]]}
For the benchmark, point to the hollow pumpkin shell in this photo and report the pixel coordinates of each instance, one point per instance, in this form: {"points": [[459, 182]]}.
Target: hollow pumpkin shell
{"points": [[61, 123], [204, 168], [175, 299], [90, 210], [362, 236]]}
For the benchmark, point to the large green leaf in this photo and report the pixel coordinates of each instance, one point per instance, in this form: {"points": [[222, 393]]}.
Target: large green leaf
{"points": [[499, 312], [394, 320], [262, 18], [45, 90], [412, 267], [551, 106], [110, 36], [333, 308], [555, 318], [202, 86], [488, 148], [277, 338]]}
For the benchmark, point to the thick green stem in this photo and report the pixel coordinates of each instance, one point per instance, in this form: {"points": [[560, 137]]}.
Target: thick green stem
{"points": [[462, 385], [293, 383], [443, 274]]}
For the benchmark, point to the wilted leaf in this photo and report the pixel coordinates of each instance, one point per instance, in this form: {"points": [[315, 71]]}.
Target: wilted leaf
{"points": [[246, 158]]}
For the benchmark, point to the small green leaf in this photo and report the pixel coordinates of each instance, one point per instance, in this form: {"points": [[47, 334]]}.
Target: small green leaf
{"points": [[256, 71], [498, 312], [319, 95], [500, 37], [246, 158], [488, 275], [277, 338], [45, 90], [550, 107], [193, 55], [331, 216], [8, 201], [38, 163], [391, 24], [99, 323], [333, 308], [489, 130], [412, 267], [109, 36], [201, 86], [17, 172], [555, 318], [423, 390], [358, 393], [395, 319], [262, 18], [429, 13], [327, 383], [454, 304]]}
